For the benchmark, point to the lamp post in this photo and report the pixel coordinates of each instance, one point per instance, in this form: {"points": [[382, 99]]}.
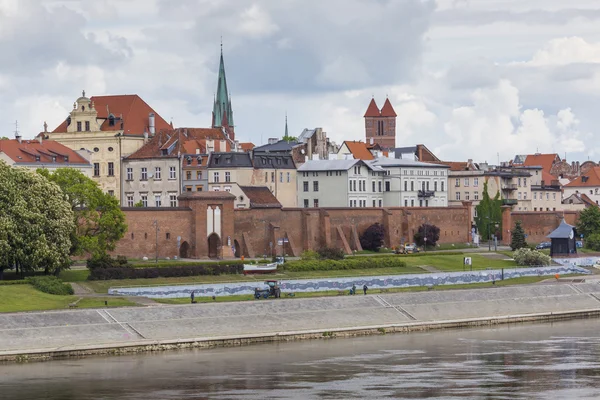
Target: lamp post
{"points": [[425, 233], [155, 224]]}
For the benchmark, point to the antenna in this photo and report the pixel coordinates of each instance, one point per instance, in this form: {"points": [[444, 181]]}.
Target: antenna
{"points": [[16, 128]]}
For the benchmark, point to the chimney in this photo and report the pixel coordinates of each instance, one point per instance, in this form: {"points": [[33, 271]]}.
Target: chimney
{"points": [[41, 138], [372, 141], [145, 137], [151, 124], [273, 140]]}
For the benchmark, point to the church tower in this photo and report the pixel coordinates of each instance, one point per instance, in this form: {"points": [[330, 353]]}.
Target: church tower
{"points": [[380, 125], [222, 116]]}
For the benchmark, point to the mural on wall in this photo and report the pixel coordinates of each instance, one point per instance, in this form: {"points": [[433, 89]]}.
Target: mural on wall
{"points": [[372, 282], [578, 261]]}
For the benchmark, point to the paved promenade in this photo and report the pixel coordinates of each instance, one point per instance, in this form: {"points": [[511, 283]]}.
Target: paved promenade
{"points": [[82, 329]]}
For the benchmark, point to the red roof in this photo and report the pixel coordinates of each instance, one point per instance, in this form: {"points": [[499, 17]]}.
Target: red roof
{"points": [[387, 110], [359, 150], [130, 107], [372, 110], [541, 160], [590, 179], [260, 197], [48, 151], [248, 146]]}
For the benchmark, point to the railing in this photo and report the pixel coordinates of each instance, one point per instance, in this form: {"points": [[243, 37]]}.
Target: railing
{"points": [[426, 193], [509, 202], [510, 186]]}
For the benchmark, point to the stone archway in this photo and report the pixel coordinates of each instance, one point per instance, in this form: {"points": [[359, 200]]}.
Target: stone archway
{"points": [[238, 249], [184, 250], [214, 244]]}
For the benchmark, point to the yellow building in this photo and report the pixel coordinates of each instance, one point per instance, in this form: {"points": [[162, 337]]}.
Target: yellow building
{"points": [[110, 128]]}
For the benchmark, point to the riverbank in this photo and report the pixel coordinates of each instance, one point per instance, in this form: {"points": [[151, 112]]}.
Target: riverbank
{"points": [[76, 333]]}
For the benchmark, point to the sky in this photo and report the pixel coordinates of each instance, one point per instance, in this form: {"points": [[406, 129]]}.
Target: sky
{"points": [[470, 79]]}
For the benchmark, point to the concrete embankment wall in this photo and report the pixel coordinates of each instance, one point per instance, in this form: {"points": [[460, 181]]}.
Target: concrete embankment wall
{"points": [[32, 336]]}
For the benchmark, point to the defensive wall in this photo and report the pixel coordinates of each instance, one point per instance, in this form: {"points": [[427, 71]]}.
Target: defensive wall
{"points": [[206, 225]]}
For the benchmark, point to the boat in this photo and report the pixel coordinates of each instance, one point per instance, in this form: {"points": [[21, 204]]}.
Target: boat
{"points": [[260, 268]]}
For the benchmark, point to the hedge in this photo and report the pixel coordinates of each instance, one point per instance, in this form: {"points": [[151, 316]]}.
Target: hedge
{"points": [[165, 272], [348, 263], [50, 284], [14, 282], [176, 263]]}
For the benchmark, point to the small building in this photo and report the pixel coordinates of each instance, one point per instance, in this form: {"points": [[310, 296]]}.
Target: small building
{"points": [[563, 240]]}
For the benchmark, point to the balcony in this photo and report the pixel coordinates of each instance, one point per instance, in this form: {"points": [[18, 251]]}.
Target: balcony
{"points": [[426, 193], [510, 186], [509, 202]]}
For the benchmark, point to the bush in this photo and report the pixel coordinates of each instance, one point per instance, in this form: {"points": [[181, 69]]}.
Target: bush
{"points": [[518, 237], [527, 257], [106, 261], [50, 284], [593, 242], [372, 238], [346, 264], [309, 255], [331, 253], [165, 272], [431, 232], [177, 263]]}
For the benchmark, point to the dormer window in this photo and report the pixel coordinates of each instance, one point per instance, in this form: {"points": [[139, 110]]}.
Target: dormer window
{"points": [[66, 158], [189, 161], [111, 120], [165, 152], [53, 158], [37, 158]]}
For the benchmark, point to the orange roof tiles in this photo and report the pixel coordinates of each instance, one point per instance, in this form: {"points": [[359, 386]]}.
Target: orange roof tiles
{"points": [[387, 110], [247, 146], [591, 178], [27, 151], [372, 110], [359, 150], [260, 197], [541, 160], [131, 107]]}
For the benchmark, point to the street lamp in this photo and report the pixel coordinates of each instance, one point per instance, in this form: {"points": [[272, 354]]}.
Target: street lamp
{"points": [[425, 232], [155, 224]]}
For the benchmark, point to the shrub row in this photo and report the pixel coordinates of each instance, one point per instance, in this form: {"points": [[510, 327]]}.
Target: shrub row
{"points": [[50, 284], [106, 261], [164, 272], [177, 263], [14, 282], [348, 263]]}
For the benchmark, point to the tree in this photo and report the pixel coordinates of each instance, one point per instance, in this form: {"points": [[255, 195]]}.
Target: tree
{"points": [[100, 222], [139, 204], [372, 238], [518, 237], [35, 222], [288, 138], [431, 232], [489, 213], [589, 221], [593, 241]]}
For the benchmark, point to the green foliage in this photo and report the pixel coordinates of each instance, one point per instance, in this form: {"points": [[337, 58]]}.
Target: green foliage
{"points": [[309, 255], [288, 138], [589, 222], [139, 204], [331, 253], [50, 285], [518, 237], [165, 272], [177, 263], [15, 282], [372, 238], [593, 242], [489, 213], [346, 264], [106, 261], [432, 233], [100, 222], [528, 257], [35, 222]]}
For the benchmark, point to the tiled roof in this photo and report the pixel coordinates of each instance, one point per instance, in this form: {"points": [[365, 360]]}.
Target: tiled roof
{"points": [[280, 146], [248, 146], [372, 110], [455, 165], [229, 160], [584, 197], [207, 195], [590, 179], [26, 152], [542, 160], [387, 110], [359, 150], [260, 197], [134, 110], [185, 141]]}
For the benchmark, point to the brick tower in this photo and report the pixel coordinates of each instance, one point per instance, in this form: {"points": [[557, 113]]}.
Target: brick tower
{"points": [[380, 125]]}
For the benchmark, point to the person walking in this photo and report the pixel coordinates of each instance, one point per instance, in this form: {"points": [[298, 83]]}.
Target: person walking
{"points": [[353, 289], [365, 289], [192, 297]]}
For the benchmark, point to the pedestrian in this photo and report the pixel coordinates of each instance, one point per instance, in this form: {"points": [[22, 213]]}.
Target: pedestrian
{"points": [[192, 296], [365, 288], [353, 289]]}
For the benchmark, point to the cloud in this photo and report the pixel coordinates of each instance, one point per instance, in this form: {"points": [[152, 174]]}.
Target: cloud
{"points": [[256, 23], [567, 50]]}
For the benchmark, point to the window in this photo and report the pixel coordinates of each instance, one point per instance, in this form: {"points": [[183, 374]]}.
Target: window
{"points": [[442, 184], [305, 186], [172, 173], [216, 177], [78, 126], [406, 186], [553, 196], [189, 161], [188, 188], [548, 197], [227, 176], [519, 195], [157, 200], [316, 203], [96, 169], [387, 186], [380, 203], [144, 200], [129, 200], [475, 182], [475, 213], [519, 182], [405, 202], [168, 236], [198, 188], [281, 177], [129, 174], [379, 185], [475, 195], [412, 202], [412, 186], [157, 174], [457, 195], [173, 199], [227, 188], [111, 193], [373, 188], [288, 177], [315, 186], [96, 149], [354, 186], [144, 174], [199, 175], [457, 182], [111, 169], [535, 196], [427, 185], [524, 195], [267, 176], [467, 196], [420, 203], [305, 203], [273, 177], [350, 188], [525, 182], [374, 203], [466, 182]]}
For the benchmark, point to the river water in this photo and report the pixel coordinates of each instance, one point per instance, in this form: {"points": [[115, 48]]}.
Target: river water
{"points": [[538, 361]]}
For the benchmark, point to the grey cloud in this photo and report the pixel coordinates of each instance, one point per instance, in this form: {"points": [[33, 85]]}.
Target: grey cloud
{"points": [[464, 16]]}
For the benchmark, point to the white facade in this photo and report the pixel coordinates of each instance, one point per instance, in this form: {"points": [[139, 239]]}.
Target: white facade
{"points": [[152, 182]]}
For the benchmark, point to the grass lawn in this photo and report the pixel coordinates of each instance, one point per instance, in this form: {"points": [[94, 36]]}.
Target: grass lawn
{"points": [[454, 262], [79, 275], [15, 298]]}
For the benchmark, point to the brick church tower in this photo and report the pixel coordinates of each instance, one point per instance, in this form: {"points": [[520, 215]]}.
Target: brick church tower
{"points": [[380, 125]]}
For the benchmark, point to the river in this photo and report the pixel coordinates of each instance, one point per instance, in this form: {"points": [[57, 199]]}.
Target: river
{"points": [[536, 361]]}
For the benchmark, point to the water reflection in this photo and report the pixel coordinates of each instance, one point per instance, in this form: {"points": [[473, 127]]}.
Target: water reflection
{"points": [[509, 362]]}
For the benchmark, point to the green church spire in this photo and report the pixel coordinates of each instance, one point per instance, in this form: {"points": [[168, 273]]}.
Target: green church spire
{"points": [[222, 112]]}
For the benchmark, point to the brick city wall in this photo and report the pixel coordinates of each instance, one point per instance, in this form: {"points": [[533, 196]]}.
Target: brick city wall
{"points": [[537, 225]]}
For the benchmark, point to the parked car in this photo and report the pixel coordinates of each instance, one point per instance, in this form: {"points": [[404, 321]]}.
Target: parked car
{"points": [[411, 248], [543, 245]]}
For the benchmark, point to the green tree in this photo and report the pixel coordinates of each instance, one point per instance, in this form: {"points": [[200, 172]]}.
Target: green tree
{"points": [[589, 222], [518, 237], [288, 138], [139, 204], [35, 222], [489, 213], [593, 241], [100, 222]]}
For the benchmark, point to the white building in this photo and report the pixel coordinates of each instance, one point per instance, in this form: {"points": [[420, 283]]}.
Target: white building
{"points": [[588, 184]]}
